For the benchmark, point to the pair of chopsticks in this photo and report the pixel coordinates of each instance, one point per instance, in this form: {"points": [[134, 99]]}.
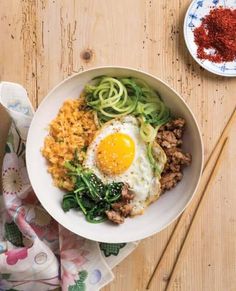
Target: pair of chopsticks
{"points": [[192, 211]]}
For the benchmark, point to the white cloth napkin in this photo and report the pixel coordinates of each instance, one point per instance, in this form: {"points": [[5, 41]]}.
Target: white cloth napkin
{"points": [[35, 252]]}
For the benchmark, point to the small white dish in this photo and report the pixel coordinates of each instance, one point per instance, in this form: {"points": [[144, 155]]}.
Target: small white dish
{"points": [[158, 215], [196, 11]]}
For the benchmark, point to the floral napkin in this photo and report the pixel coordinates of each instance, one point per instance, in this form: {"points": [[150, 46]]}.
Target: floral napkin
{"points": [[36, 253]]}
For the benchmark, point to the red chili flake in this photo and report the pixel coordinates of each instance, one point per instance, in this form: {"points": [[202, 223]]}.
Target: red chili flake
{"points": [[217, 33]]}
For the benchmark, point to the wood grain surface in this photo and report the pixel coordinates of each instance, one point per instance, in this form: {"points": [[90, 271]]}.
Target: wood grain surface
{"points": [[44, 41]]}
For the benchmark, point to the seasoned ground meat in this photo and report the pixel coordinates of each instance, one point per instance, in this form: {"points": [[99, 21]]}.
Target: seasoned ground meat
{"points": [[167, 139], [174, 124], [175, 156], [170, 138], [117, 205], [126, 209], [173, 167], [123, 208], [170, 179], [178, 157], [178, 132], [126, 194], [115, 216]]}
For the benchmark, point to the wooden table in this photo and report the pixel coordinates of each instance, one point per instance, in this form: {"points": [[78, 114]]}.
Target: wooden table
{"points": [[43, 42]]}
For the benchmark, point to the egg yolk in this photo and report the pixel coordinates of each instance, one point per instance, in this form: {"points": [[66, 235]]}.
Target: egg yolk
{"points": [[115, 153]]}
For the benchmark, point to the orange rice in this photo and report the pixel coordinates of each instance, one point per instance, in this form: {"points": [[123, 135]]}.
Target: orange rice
{"points": [[73, 128]]}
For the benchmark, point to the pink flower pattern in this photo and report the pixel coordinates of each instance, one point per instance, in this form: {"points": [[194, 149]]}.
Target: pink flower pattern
{"points": [[34, 222], [73, 256], [41, 234], [16, 254]]}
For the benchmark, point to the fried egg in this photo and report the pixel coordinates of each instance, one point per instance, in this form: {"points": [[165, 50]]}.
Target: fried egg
{"points": [[118, 154]]}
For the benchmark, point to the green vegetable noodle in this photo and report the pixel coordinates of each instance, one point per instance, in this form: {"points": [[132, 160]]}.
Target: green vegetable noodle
{"points": [[116, 97]]}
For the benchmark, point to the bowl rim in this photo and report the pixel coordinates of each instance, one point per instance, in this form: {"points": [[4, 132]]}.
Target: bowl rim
{"points": [[177, 94], [187, 43]]}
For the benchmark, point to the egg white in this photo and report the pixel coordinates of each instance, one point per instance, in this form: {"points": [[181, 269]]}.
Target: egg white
{"points": [[139, 176]]}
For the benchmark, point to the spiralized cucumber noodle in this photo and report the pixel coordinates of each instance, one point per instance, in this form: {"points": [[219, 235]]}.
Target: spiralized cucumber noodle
{"points": [[116, 97]]}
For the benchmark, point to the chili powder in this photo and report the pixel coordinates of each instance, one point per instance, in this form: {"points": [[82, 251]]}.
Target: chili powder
{"points": [[217, 34]]}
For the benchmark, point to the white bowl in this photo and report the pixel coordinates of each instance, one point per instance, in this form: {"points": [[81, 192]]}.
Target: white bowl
{"points": [[158, 215], [197, 10]]}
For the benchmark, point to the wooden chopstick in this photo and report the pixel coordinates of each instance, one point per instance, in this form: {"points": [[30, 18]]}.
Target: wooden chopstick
{"points": [[180, 225], [222, 137], [184, 217], [190, 231]]}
